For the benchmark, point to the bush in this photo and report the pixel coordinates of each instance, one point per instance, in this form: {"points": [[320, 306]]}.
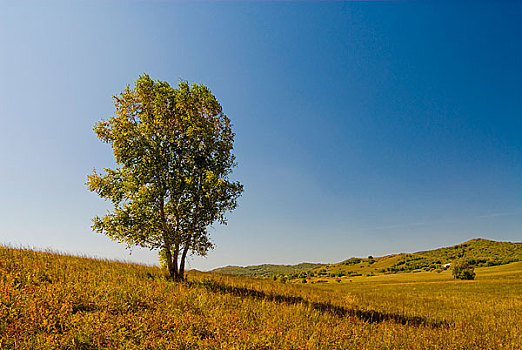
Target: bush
{"points": [[463, 271], [352, 261]]}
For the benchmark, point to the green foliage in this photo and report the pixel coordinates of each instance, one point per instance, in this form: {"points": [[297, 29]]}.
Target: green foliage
{"points": [[462, 270], [162, 258], [477, 252], [481, 252], [173, 149], [267, 270], [352, 261]]}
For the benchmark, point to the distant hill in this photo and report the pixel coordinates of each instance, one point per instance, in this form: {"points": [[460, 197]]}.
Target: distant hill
{"points": [[266, 270], [478, 252]]}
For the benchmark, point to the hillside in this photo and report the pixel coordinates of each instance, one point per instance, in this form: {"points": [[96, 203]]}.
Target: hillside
{"points": [[266, 269], [52, 301], [478, 252]]}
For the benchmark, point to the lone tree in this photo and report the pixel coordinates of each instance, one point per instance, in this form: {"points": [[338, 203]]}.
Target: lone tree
{"points": [[173, 149], [462, 270]]}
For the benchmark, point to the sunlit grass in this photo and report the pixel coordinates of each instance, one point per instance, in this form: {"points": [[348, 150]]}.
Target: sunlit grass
{"points": [[51, 301]]}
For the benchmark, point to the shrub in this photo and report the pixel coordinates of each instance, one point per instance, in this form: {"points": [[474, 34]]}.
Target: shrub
{"points": [[463, 271], [352, 261]]}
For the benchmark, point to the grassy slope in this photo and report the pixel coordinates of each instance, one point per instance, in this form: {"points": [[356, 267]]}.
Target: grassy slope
{"points": [[480, 252], [265, 270], [49, 301]]}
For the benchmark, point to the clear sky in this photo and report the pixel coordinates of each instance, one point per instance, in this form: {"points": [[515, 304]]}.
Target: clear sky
{"points": [[361, 127]]}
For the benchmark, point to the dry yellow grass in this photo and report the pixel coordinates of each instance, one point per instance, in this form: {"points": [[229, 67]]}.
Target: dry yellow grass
{"points": [[51, 301]]}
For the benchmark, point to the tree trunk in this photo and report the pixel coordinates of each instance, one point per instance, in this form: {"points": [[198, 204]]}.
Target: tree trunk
{"points": [[172, 263], [172, 260], [182, 262], [179, 275]]}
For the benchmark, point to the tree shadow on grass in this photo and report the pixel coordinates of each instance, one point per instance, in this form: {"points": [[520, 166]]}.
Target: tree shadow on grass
{"points": [[370, 316]]}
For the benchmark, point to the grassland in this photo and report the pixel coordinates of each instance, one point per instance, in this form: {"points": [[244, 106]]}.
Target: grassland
{"points": [[51, 301]]}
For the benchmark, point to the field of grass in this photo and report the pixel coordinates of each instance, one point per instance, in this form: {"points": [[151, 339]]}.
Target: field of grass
{"points": [[51, 301]]}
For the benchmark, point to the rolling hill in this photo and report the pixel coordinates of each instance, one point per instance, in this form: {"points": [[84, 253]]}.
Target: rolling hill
{"points": [[266, 269], [478, 252]]}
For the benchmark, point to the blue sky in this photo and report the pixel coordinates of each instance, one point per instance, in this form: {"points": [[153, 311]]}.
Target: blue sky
{"points": [[361, 127]]}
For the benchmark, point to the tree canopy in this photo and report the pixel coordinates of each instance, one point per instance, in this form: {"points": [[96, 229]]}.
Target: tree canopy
{"points": [[173, 149], [462, 270]]}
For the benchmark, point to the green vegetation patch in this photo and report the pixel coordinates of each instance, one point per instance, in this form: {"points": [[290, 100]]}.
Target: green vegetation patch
{"points": [[477, 253], [268, 270]]}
